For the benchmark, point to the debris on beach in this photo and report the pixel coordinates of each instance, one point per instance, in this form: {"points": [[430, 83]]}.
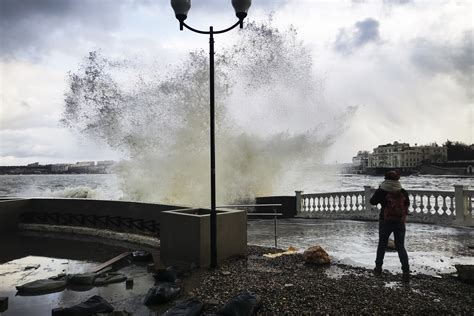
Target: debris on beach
{"points": [[170, 274], [291, 250], [189, 307], [95, 304], [244, 303], [162, 293], [43, 286], [465, 272], [141, 256], [61, 281], [3, 304]]}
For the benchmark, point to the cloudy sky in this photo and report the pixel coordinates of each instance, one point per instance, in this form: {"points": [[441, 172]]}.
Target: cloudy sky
{"points": [[406, 65]]}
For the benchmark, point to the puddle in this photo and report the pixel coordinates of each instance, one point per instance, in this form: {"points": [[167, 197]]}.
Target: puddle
{"points": [[21, 270]]}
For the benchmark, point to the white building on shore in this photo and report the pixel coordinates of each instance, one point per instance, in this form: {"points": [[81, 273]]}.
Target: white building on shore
{"points": [[406, 157]]}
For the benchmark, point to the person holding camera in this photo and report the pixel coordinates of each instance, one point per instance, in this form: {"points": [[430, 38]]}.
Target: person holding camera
{"points": [[395, 202]]}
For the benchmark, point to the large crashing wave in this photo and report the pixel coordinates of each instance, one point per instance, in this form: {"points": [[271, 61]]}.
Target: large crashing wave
{"points": [[161, 120]]}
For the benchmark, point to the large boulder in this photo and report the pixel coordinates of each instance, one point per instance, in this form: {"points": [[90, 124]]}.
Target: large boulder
{"points": [[316, 255]]}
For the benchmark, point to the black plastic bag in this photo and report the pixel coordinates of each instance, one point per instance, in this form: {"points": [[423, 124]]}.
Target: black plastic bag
{"points": [[93, 305], [162, 293], [243, 304], [190, 307], [166, 275]]}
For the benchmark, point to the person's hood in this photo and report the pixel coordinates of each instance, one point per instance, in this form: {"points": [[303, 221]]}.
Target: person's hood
{"points": [[391, 185]]}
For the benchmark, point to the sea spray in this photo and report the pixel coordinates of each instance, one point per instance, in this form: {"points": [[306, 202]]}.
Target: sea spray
{"points": [[161, 121]]}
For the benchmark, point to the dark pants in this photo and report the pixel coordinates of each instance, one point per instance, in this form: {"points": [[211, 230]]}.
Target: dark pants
{"points": [[398, 229]]}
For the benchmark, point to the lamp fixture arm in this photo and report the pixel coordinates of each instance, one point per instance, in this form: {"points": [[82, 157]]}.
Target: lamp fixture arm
{"points": [[239, 22]]}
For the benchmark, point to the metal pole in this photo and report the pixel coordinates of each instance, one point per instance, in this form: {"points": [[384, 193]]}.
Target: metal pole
{"points": [[213, 153], [275, 222]]}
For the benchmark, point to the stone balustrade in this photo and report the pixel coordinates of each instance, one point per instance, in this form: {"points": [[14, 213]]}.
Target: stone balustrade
{"points": [[426, 206]]}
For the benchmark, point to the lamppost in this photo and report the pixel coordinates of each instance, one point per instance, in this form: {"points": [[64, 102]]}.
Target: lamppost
{"points": [[181, 8]]}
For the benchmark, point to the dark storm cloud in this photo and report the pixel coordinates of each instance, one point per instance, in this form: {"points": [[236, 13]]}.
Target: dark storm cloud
{"points": [[27, 27], [362, 33], [452, 59]]}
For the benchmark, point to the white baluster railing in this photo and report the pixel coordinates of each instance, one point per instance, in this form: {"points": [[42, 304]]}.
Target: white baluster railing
{"points": [[426, 206]]}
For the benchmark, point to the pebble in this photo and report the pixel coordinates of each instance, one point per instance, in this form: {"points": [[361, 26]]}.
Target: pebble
{"points": [[303, 289]]}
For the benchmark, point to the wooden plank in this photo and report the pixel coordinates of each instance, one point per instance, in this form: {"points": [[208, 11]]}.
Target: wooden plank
{"points": [[112, 261]]}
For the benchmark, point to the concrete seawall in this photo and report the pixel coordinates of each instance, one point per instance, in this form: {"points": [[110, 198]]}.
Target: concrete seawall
{"points": [[119, 215]]}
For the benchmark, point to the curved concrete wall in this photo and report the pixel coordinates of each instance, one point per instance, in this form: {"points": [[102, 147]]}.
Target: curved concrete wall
{"points": [[11, 211]]}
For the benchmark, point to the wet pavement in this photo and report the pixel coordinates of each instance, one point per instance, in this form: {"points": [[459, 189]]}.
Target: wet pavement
{"points": [[431, 249]]}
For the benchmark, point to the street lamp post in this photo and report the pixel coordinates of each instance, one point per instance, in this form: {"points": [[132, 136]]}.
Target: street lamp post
{"points": [[181, 8]]}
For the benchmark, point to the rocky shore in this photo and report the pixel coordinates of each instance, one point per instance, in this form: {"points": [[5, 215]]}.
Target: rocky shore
{"points": [[287, 285]]}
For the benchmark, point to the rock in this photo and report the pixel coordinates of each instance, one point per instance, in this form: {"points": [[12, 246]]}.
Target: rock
{"points": [[391, 245], [316, 255], [3, 304], [465, 272]]}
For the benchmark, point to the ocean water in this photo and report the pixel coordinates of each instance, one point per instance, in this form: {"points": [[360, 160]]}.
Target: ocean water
{"points": [[107, 186], [93, 186]]}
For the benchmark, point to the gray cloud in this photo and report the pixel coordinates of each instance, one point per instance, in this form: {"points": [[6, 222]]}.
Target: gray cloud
{"points": [[362, 33], [218, 5], [27, 27], [448, 58]]}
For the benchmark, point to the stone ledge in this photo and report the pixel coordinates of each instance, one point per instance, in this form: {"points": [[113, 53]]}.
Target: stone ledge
{"points": [[92, 232]]}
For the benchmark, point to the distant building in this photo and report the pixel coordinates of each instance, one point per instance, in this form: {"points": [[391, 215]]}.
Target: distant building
{"points": [[82, 167], [59, 168], [35, 164], [360, 162], [405, 157], [106, 163]]}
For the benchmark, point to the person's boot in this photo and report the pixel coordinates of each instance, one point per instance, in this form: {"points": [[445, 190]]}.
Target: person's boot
{"points": [[378, 270], [406, 276]]}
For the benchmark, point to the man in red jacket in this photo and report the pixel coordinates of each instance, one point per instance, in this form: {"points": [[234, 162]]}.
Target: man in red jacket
{"points": [[394, 200]]}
